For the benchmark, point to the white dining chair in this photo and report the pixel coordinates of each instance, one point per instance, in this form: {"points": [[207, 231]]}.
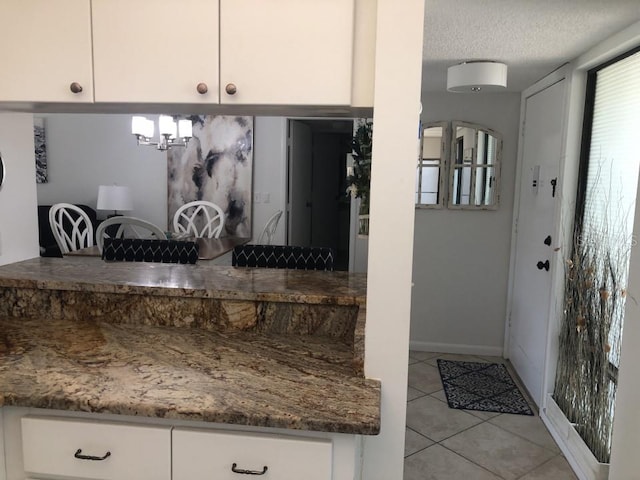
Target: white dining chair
{"points": [[78, 232], [129, 227], [269, 230], [200, 219]]}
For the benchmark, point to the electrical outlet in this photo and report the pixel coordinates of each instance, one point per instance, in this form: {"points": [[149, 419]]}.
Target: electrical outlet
{"points": [[261, 197]]}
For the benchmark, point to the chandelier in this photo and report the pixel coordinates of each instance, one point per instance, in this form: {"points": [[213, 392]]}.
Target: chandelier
{"points": [[171, 134]]}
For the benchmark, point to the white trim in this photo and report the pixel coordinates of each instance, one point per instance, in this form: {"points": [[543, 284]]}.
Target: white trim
{"points": [[284, 177], [582, 461], [612, 47], [456, 348]]}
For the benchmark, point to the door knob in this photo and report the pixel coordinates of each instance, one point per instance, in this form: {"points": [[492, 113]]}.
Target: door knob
{"points": [[75, 87], [231, 89], [542, 265], [202, 88]]}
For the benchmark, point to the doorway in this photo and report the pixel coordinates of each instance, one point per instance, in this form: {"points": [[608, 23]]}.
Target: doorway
{"points": [[318, 207]]}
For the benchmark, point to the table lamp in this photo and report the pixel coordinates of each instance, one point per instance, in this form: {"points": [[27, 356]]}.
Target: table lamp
{"points": [[114, 197]]}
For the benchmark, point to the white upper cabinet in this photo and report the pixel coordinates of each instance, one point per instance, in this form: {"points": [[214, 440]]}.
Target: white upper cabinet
{"points": [[45, 51], [155, 51], [245, 52], [286, 52]]}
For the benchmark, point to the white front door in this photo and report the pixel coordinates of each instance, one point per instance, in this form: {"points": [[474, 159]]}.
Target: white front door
{"points": [[529, 316]]}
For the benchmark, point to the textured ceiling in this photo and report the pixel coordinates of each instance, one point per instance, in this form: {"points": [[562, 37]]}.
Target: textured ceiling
{"points": [[533, 37]]}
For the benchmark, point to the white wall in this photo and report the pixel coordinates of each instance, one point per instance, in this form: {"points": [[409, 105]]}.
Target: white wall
{"points": [[461, 258], [270, 174], [85, 151], [391, 229], [88, 150], [18, 219], [358, 244]]}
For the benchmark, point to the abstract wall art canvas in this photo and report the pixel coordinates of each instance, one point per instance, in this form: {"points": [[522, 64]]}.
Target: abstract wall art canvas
{"points": [[40, 143], [217, 166]]}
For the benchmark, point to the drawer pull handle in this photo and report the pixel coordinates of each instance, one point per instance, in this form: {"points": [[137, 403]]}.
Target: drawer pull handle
{"points": [[248, 472], [79, 455]]}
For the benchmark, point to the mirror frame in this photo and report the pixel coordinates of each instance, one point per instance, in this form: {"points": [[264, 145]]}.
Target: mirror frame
{"points": [[498, 160], [444, 159], [2, 171]]}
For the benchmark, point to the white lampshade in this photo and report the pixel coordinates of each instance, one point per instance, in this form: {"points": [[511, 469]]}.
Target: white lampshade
{"points": [[114, 197], [149, 128], [166, 125], [477, 77], [138, 125], [185, 127]]}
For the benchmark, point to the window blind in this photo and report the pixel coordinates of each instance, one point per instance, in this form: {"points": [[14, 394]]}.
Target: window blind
{"points": [[612, 173], [614, 154]]}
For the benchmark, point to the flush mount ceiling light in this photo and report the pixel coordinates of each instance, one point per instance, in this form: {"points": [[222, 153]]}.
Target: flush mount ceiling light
{"points": [[477, 76]]}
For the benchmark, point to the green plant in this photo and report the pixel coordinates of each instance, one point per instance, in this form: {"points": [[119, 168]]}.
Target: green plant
{"points": [[359, 179]]}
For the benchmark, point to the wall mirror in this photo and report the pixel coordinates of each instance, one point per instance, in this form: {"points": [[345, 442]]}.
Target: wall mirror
{"points": [[2, 171], [431, 174], [474, 170]]}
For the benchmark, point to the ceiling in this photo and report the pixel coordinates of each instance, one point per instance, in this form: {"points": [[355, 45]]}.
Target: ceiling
{"points": [[533, 37]]}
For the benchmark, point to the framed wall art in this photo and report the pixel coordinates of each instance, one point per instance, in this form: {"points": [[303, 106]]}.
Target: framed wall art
{"points": [[39, 140], [217, 166]]}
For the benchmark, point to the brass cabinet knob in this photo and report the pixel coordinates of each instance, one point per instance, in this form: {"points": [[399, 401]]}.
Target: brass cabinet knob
{"points": [[75, 87], [231, 89], [202, 88]]}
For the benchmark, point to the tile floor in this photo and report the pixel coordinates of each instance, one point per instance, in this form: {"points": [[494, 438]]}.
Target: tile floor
{"points": [[448, 444]]}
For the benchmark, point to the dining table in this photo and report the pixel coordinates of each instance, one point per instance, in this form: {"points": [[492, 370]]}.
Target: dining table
{"points": [[208, 248]]}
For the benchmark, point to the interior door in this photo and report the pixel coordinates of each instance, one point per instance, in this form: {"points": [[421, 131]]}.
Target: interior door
{"points": [[299, 178], [531, 292]]}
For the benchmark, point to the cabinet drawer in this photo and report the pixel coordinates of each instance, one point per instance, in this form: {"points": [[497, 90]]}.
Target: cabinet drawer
{"points": [[51, 446], [208, 454]]}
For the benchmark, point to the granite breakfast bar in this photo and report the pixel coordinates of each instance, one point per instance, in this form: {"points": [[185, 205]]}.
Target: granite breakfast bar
{"points": [[259, 347]]}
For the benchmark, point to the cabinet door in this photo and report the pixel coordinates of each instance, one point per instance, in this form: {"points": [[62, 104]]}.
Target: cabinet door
{"points": [[155, 51], [45, 46], [229, 455], [286, 52], [88, 450]]}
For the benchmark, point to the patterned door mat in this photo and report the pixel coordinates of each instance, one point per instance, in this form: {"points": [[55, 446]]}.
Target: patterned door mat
{"points": [[481, 386]]}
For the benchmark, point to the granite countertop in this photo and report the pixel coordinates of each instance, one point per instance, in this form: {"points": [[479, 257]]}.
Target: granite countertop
{"points": [[237, 378], [91, 274], [248, 346]]}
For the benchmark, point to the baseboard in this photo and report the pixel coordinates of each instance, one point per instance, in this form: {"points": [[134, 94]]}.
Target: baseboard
{"points": [[584, 464], [456, 348]]}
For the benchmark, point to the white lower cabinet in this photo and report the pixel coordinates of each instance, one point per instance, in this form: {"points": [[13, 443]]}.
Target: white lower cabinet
{"points": [[203, 454], [57, 447], [83, 449]]}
